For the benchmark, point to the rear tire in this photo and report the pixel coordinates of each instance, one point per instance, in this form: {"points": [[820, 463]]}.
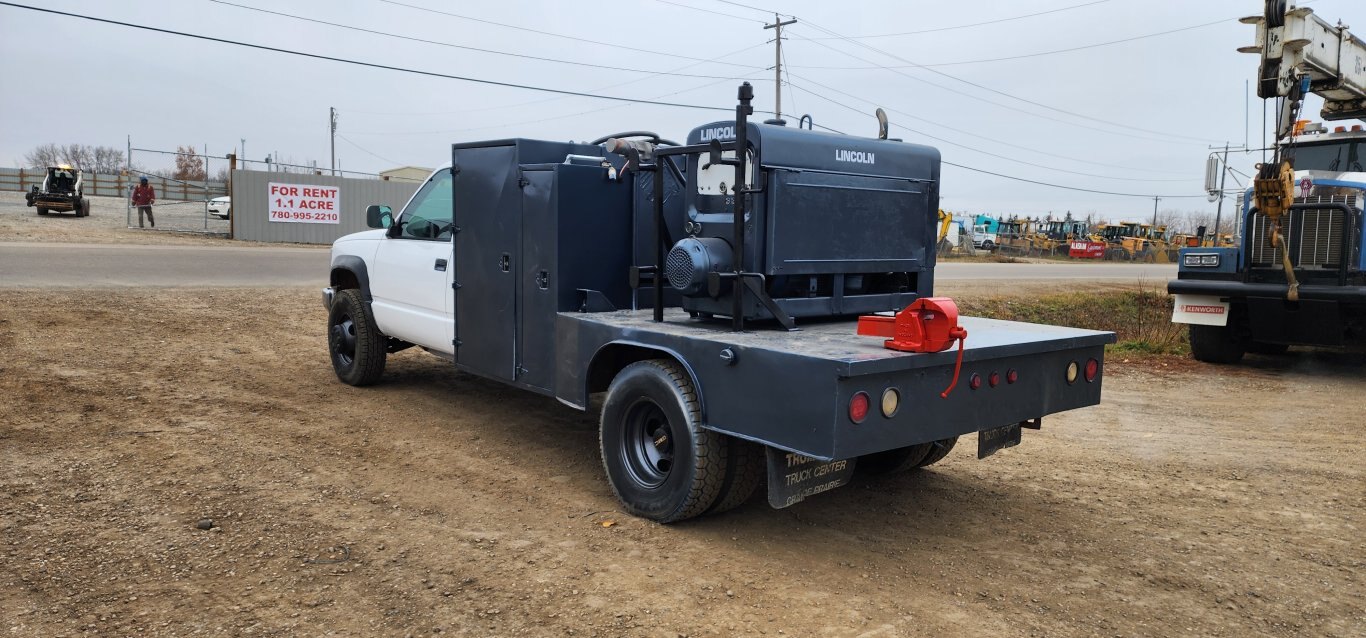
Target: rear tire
{"points": [[1262, 347], [1216, 344], [83, 208], [42, 211], [747, 468], [356, 346], [892, 461], [938, 450], [661, 464]]}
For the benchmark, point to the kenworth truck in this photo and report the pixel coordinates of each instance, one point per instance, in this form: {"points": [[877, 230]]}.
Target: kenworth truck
{"points": [[734, 297], [1298, 276]]}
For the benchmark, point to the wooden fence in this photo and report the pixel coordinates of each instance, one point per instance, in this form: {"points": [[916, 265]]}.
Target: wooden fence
{"points": [[117, 184]]}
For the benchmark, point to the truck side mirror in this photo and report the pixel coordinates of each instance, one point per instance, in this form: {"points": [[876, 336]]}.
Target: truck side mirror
{"points": [[379, 216]]}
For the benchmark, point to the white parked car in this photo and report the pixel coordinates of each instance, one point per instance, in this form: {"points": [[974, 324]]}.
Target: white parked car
{"points": [[221, 207]]}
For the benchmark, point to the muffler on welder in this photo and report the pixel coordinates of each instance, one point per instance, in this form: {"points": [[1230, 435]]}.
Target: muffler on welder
{"points": [[929, 324]]}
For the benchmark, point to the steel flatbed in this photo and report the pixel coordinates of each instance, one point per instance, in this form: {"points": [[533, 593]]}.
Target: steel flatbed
{"points": [[789, 390]]}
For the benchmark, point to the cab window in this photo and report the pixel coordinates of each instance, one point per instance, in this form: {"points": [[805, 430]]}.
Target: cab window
{"points": [[429, 215]]}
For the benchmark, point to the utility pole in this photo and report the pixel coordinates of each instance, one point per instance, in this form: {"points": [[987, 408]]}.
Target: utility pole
{"points": [[332, 120], [1223, 175], [1155, 198], [242, 153], [777, 27]]}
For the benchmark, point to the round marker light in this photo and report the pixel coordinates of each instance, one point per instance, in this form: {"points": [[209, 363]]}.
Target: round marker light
{"points": [[891, 402], [1092, 369], [1072, 372], [994, 379], [1012, 376], [975, 381], [858, 407]]}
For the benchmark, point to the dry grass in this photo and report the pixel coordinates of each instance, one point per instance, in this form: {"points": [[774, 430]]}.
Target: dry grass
{"points": [[1141, 318]]}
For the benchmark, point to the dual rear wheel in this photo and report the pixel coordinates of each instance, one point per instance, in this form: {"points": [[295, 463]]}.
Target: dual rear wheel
{"points": [[661, 463]]}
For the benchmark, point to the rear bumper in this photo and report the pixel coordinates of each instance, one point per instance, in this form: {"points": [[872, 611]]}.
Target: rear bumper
{"points": [[1241, 290]]}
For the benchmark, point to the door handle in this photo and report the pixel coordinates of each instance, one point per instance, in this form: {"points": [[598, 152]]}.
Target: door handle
{"points": [[505, 262], [440, 265]]}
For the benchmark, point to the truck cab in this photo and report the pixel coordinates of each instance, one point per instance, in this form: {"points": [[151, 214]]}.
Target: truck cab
{"points": [[1234, 298]]}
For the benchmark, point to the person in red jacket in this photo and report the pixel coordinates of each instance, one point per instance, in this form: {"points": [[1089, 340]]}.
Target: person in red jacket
{"points": [[143, 197]]}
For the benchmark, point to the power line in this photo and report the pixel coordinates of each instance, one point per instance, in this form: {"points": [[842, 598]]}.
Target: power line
{"points": [[989, 153], [993, 103], [540, 119], [502, 107], [987, 88], [613, 45], [458, 46], [1015, 57], [719, 13], [1070, 188], [983, 137], [752, 7], [1002, 175], [975, 24], [372, 65], [367, 151]]}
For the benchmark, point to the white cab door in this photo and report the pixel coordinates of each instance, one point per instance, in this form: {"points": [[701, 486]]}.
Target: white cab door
{"points": [[410, 280]]}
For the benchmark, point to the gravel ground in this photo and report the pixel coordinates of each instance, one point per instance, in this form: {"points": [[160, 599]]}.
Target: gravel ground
{"points": [[177, 223], [1202, 502]]}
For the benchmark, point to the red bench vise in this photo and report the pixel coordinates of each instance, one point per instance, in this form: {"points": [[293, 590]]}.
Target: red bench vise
{"points": [[929, 324]]}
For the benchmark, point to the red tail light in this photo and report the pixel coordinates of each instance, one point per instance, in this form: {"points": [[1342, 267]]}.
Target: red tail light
{"points": [[975, 381], [994, 379], [1012, 376], [1092, 369], [858, 407]]}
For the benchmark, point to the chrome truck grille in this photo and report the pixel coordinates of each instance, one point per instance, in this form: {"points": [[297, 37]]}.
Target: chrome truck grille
{"points": [[1313, 235]]}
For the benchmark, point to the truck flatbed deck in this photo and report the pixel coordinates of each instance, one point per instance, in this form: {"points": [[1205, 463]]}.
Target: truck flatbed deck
{"points": [[786, 389]]}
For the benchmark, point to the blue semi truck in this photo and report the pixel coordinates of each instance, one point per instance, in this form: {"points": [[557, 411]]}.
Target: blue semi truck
{"points": [[1298, 274]]}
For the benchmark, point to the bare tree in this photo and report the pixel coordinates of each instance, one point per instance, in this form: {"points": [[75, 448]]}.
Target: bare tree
{"points": [[188, 164], [107, 159], [99, 159], [221, 175], [44, 155]]}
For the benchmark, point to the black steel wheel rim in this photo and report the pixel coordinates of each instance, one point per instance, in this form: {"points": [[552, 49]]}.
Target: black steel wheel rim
{"points": [[343, 338], [647, 444]]}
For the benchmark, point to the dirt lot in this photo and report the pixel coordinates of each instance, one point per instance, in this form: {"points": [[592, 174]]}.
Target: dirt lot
{"points": [[439, 502], [1207, 502], [177, 223]]}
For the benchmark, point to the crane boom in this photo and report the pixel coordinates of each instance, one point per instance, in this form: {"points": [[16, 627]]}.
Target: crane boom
{"points": [[1296, 44]]}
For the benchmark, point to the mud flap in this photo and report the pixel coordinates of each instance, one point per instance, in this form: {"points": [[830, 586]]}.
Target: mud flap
{"points": [[996, 439], [793, 477]]}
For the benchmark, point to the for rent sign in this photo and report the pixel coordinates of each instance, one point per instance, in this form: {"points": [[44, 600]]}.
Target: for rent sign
{"points": [[303, 203]]}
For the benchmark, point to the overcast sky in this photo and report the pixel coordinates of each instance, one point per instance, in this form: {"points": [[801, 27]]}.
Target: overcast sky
{"points": [[1132, 117]]}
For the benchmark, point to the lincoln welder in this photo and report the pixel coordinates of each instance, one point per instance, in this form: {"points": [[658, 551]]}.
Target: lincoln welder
{"points": [[757, 306]]}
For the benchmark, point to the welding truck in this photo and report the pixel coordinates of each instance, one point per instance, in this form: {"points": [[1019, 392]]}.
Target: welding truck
{"points": [[1298, 274], [754, 306]]}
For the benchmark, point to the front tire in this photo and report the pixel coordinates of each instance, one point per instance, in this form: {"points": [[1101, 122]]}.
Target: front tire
{"points": [[660, 462], [356, 346], [1216, 344], [42, 211]]}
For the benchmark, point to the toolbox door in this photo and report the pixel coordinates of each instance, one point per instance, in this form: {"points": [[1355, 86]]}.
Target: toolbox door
{"points": [[539, 281], [488, 203]]}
